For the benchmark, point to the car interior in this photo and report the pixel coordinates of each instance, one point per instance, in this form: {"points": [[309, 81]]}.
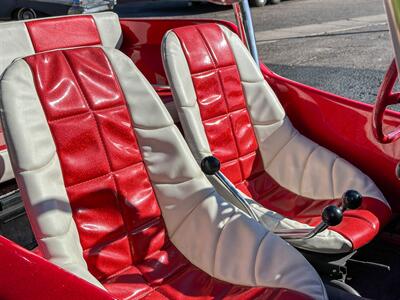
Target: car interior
{"points": [[157, 160]]}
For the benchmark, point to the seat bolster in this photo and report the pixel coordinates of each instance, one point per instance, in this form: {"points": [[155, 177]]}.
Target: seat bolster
{"points": [[145, 113], [185, 98], [262, 103], [15, 43], [38, 172], [109, 29]]}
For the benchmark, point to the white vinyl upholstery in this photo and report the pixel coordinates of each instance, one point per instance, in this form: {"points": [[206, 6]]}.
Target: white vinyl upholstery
{"points": [[16, 42], [109, 29], [210, 232], [294, 161]]}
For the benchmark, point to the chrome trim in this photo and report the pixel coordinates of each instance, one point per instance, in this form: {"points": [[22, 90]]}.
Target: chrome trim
{"points": [[301, 234], [290, 234], [229, 185], [249, 30], [161, 86]]}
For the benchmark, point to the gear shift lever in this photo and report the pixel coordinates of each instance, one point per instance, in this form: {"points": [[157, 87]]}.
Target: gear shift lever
{"points": [[210, 165], [351, 200], [332, 215]]}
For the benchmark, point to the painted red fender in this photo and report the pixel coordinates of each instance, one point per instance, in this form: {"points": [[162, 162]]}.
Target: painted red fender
{"points": [[25, 275]]}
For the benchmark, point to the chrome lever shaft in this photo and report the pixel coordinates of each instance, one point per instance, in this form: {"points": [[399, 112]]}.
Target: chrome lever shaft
{"points": [[229, 185]]}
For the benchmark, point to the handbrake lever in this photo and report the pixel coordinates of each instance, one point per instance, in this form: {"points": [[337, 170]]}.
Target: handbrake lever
{"points": [[210, 165], [332, 215]]}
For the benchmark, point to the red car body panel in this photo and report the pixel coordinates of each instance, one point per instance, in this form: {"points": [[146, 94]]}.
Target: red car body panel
{"points": [[25, 275], [345, 127]]}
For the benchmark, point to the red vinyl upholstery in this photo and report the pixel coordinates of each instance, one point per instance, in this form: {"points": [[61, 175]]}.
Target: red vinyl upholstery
{"points": [[113, 203], [231, 138], [20, 39], [77, 31]]}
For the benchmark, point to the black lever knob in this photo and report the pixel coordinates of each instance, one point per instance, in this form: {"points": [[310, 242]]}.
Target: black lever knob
{"points": [[332, 215], [351, 200], [210, 165]]}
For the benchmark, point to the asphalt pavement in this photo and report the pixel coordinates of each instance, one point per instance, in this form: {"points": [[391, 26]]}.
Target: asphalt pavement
{"points": [[339, 46]]}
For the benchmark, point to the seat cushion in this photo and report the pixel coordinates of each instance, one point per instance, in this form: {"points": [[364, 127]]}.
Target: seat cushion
{"points": [[229, 111], [115, 196], [169, 275]]}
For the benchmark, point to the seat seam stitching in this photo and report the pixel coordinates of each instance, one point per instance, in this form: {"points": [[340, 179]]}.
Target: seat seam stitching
{"points": [[44, 166], [207, 48], [117, 199], [152, 128], [104, 175], [216, 68], [213, 69], [287, 143], [190, 212], [227, 114], [219, 238], [132, 123], [256, 256], [304, 168], [60, 235], [86, 112], [332, 181]]}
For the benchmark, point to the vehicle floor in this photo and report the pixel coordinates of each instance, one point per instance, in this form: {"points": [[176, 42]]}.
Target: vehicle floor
{"points": [[375, 282]]}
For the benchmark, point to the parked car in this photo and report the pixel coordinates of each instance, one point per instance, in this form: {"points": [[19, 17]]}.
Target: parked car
{"points": [[259, 3]]}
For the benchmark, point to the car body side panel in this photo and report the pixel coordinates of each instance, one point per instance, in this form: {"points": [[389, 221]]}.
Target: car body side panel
{"points": [[343, 126], [25, 275]]}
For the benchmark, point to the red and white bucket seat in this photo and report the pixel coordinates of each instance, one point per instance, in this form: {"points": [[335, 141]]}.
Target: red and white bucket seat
{"points": [[228, 110], [115, 196]]}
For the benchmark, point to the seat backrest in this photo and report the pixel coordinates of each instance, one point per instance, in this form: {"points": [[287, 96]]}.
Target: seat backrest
{"points": [[22, 38], [221, 97], [19, 39], [109, 183]]}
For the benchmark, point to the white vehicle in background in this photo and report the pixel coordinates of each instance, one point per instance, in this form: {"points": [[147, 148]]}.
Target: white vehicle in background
{"points": [[31, 9]]}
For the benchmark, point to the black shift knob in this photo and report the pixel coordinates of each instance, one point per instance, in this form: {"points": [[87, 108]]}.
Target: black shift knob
{"points": [[351, 200], [332, 215], [210, 165]]}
